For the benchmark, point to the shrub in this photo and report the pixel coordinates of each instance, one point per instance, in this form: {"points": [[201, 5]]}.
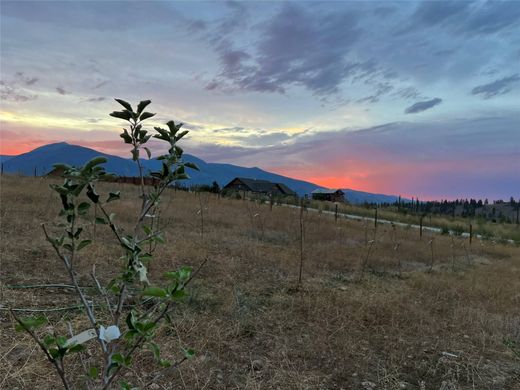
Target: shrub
{"points": [[127, 329]]}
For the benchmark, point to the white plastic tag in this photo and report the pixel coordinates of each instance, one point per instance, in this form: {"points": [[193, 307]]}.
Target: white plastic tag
{"points": [[81, 338]]}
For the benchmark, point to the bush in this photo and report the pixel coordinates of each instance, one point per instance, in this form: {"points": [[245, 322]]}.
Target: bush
{"points": [[125, 328]]}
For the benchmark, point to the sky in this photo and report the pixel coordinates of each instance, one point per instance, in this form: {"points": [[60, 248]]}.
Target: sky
{"points": [[414, 98]]}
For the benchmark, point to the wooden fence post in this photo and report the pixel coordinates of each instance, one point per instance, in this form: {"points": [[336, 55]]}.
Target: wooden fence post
{"points": [[375, 219], [470, 233], [420, 226], [336, 214]]}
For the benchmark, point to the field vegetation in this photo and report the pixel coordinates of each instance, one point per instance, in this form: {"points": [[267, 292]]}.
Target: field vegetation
{"points": [[378, 307], [457, 224]]}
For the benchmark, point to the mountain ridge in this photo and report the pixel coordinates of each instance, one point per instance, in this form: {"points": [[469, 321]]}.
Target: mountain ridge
{"points": [[40, 161]]}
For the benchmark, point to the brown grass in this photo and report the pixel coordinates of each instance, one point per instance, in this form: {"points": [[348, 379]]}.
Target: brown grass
{"points": [[250, 325]]}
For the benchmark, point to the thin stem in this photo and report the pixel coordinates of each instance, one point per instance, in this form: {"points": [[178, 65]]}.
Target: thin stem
{"points": [[54, 362], [74, 281], [101, 290]]}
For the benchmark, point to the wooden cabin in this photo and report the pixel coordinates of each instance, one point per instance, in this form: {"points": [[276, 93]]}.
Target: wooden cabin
{"points": [[242, 184], [330, 195]]}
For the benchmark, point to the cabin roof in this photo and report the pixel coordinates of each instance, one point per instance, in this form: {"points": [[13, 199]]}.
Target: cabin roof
{"points": [[327, 191], [259, 185]]}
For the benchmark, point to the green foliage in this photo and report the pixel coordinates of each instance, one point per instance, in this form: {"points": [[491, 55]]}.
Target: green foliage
{"points": [[77, 194], [30, 323]]}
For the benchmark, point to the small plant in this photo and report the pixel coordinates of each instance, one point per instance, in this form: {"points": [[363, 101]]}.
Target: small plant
{"points": [[120, 329]]}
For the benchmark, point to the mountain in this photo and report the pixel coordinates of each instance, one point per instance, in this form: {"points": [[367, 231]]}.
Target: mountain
{"points": [[4, 158], [354, 196], [41, 160]]}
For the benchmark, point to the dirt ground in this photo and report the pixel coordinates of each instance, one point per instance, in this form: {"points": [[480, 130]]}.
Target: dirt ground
{"points": [[377, 309]]}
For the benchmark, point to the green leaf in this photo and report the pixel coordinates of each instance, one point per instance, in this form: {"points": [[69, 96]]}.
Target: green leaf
{"points": [[61, 341], [93, 372], [31, 323], [49, 340], [155, 292], [191, 165], [159, 238], [124, 385], [68, 247], [146, 115], [178, 294], [78, 232], [182, 134], [145, 327], [173, 275], [172, 127], [101, 221], [147, 230], [185, 273], [189, 353], [83, 208], [127, 243], [131, 318], [126, 136], [54, 352], [92, 194], [148, 152], [142, 105], [124, 104], [118, 358], [113, 196], [121, 115], [93, 162], [155, 350], [83, 244], [77, 348]]}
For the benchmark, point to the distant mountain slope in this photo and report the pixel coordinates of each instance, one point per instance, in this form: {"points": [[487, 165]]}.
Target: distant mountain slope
{"points": [[4, 158], [42, 159], [354, 196]]}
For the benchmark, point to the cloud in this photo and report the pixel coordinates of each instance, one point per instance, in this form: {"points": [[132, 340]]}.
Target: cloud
{"points": [[11, 91], [296, 47], [487, 17], [96, 99], [422, 106], [497, 87], [61, 91], [27, 80], [408, 93], [492, 17], [100, 84], [434, 12]]}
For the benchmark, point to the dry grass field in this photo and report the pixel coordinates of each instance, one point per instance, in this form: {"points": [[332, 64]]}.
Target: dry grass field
{"points": [[403, 323]]}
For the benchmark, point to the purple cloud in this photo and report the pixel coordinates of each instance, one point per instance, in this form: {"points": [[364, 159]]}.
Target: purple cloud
{"points": [[497, 87], [422, 106]]}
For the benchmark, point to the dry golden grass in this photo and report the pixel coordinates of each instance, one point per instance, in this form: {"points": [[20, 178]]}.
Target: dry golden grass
{"points": [[250, 325]]}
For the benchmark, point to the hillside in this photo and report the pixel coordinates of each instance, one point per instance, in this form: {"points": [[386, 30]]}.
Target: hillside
{"points": [[40, 161]]}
